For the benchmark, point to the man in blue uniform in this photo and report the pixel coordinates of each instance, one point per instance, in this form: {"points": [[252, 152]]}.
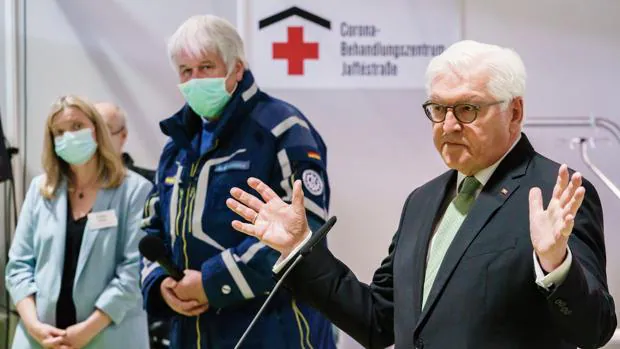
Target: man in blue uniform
{"points": [[228, 131]]}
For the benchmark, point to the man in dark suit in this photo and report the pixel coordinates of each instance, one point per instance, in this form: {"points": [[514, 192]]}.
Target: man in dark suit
{"points": [[505, 250], [115, 118]]}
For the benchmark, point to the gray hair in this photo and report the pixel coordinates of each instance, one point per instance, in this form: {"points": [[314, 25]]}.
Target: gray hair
{"points": [[207, 33], [505, 67]]}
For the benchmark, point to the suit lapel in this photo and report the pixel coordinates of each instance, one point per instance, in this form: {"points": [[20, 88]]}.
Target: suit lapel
{"points": [[102, 203], [504, 181], [57, 222], [424, 228]]}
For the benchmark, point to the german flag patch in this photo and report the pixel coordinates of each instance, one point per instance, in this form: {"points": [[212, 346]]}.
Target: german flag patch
{"points": [[314, 155]]}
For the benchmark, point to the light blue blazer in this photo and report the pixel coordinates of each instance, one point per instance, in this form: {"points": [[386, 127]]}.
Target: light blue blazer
{"points": [[107, 275]]}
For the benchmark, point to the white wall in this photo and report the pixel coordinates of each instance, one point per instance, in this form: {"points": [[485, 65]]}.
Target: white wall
{"points": [[115, 50]]}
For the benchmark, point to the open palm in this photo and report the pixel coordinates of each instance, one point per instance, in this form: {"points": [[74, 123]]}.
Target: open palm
{"points": [[550, 228], [277, 224]]}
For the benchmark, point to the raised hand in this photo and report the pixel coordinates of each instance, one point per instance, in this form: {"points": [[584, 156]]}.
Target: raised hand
{"points": [[550, 228], [277, 224]]}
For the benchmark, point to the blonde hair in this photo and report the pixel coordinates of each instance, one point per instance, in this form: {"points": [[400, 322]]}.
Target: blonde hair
{"points": [[110, 172]]}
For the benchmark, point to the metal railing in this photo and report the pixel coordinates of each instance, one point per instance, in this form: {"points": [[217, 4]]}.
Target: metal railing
{"points": [[583, 142], [579, 121]]}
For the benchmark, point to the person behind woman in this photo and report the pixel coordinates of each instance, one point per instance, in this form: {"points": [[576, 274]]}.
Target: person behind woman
{"points": [[74, 263]]}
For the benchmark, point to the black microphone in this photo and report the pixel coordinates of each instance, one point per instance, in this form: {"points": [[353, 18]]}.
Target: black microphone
{"points": [[154, 250], [304, 251]]}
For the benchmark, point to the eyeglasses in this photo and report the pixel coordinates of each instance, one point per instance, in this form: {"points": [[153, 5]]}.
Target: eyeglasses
{"points": [[464, 112]]}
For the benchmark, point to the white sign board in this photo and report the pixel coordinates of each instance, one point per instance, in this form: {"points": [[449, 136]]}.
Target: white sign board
{"points": [[347, 43]]}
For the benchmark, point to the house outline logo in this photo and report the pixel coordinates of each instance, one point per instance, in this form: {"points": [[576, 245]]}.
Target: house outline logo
{"points": [[295, 50]]}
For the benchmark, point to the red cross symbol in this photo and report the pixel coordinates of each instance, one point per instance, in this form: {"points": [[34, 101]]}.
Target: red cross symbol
{"points": [[295, 50]]}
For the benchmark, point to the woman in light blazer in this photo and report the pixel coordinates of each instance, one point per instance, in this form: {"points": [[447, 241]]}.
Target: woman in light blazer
{"points": [[73, 269]]}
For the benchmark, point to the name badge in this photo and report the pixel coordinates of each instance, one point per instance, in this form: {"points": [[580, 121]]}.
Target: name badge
{"points": [[103, 219], [232, 165]]}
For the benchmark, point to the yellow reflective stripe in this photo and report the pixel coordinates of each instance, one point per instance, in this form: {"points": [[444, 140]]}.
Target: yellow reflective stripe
{"points": [[194, 168], [301, 333], [187, 198], [176, 225], [189, 203], [192, 195], [191, 207], [198, 332], [305, 322]]}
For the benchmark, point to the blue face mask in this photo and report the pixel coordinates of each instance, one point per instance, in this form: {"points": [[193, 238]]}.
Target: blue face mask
{"points": [[77, 147], [207, 96]]}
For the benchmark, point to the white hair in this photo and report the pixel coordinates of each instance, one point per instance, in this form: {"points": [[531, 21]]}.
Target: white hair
{"points": [[504, 66], [207, 33]]}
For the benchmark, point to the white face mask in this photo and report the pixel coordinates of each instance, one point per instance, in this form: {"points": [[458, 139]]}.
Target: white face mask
{"points": [[76, 147], [207, 96]]}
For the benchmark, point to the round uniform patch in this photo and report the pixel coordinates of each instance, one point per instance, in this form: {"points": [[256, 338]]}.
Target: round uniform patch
{"points": [[313, 182]]}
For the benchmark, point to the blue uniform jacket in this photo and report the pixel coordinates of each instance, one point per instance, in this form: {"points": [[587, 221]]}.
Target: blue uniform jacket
{"points": [[258, 136]]}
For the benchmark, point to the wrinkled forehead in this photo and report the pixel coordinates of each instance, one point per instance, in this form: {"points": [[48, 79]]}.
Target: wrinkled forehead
{"points": [[453, 86], [189, 57]]}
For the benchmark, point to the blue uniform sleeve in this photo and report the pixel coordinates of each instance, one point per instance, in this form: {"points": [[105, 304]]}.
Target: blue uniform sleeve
{"points": [[238, 274], [151, 274], [244, 272]]}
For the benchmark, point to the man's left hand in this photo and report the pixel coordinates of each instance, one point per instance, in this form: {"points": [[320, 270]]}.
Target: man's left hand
{"points": [[550, 228], [190, 287]]}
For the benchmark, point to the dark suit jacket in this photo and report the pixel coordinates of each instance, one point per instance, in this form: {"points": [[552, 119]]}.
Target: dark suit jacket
{"points": [[485, 295]]}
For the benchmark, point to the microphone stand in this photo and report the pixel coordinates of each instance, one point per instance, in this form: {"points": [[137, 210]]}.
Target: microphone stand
{"points": [[262, 308], [314, 239]]}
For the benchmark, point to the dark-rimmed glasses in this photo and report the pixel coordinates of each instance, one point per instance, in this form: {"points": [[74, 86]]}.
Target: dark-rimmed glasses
{"points": [[464, 112]]}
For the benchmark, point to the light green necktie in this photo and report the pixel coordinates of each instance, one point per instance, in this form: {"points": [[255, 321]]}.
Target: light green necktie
{"points": [[448, 227]]}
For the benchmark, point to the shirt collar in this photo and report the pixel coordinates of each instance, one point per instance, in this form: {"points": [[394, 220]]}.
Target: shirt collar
{"points": [[483, 175]]}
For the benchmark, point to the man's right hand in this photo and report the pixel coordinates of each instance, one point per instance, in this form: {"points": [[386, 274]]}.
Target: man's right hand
{"points": [[187, 308], [274, 222]]}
